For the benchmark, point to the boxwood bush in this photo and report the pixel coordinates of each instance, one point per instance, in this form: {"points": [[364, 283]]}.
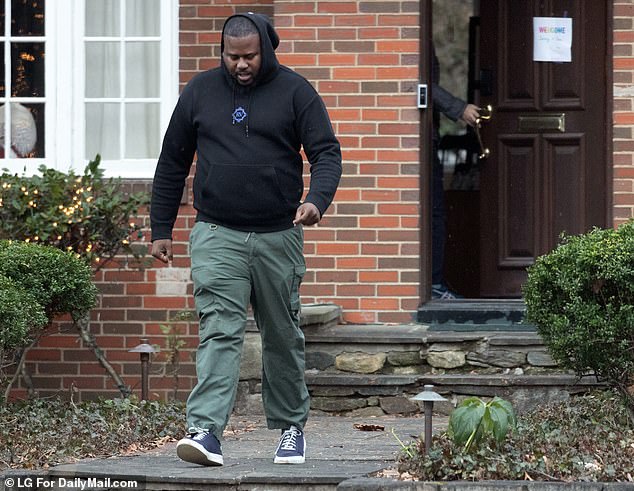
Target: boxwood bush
{"points": [[581, 298], [19, 314], [37, 283], [58, 281]]}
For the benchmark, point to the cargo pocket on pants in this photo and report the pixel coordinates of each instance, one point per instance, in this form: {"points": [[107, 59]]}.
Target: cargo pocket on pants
{"points": [[299, 271]]}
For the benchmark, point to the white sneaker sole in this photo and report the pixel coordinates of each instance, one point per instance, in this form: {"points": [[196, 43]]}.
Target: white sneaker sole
{"points": [[193, 452], [291, 460]]}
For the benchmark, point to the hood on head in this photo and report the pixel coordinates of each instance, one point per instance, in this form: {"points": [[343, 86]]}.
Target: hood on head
{"points": [[269, 41]]}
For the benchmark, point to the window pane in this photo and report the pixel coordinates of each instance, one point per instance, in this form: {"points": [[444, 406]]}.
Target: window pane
{"points": [[102, 18], [142, 131], [142, 18], [2, 17], [27, 17], [3, 89], [27, 69], [102, 131], [102, 69], [142, 65], [26, 132]]}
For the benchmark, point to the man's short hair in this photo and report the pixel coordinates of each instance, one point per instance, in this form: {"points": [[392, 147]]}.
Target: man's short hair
{"points": [[240, 27]]}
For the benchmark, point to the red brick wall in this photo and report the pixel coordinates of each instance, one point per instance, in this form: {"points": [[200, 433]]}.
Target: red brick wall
{"points": [[362, 57], [623, 116]]}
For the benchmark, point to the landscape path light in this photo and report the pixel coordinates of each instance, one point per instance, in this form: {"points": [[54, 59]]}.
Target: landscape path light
{"points": [[144, 349], [428, 396]]}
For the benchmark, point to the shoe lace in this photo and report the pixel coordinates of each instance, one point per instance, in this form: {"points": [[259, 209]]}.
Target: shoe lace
{"points": [[289, 439], [447, 295], [443, 293], [200, 436]]}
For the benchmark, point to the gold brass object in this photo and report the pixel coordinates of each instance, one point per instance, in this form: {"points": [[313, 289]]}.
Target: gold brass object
{"points": [[544, 122], [485, 115]]}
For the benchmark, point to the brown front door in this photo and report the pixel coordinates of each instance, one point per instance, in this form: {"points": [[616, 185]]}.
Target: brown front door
{"points": [[547, 171]]}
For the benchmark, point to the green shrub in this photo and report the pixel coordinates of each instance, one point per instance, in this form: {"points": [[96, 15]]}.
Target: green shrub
{"points": [[581, 298], [58, 281], [19, 314], [37, 283], [86, 214]]}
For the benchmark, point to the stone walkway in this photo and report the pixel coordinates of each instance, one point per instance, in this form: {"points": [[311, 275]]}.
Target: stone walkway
{"points": [[337, 450], [340, 457]]}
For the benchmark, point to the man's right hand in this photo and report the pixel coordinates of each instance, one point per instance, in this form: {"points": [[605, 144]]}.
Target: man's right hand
{"points": [[162, 250]]}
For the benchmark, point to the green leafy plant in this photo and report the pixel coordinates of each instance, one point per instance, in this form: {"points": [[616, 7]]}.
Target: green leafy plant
{"points": [[475, 421], [585, 438], [37, 283], [174, 345], [87, 214], [581, 298], [407, 449]]}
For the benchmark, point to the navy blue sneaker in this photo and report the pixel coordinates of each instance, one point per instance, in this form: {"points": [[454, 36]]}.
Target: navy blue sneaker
{"points": [[441, 292], [292, 447], [201, 448]]}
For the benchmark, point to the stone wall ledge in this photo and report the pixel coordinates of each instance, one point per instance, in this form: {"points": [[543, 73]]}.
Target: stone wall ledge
{"points": [[451, 381], [382, 484]]}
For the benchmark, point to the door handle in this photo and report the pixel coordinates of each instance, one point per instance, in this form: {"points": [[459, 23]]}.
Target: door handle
{"points": [[486, 113]]}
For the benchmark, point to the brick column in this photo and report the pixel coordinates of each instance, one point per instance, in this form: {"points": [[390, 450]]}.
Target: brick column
{"points": [[623, 117]]}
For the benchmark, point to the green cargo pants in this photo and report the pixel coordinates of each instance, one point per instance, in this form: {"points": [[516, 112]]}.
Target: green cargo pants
{"points": [[231, 269]]}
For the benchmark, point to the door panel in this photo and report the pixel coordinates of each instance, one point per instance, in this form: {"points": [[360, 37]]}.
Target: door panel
{"points": [[547, 170], [518, 80], [563, 152], [517, 185]]}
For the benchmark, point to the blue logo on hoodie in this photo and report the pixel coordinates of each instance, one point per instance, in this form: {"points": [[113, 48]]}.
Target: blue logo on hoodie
{"points": [[239, 114]]}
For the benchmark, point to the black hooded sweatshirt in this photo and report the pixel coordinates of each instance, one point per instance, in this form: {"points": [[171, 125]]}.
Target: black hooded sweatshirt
{"points": [[247, 140]]}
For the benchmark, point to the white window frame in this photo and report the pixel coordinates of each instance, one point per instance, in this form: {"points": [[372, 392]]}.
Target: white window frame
{"points": [[65, 89]]}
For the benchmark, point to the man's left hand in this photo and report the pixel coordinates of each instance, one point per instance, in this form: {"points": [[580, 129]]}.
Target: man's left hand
{"points": [[307, 214], [471, 114]]}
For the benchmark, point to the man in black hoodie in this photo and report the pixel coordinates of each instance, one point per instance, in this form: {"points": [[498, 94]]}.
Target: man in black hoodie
{"points": [[246, 121]]}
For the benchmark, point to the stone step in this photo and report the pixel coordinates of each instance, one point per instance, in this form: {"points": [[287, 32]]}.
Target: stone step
{"points": [[366, 333], [472, 312], [318, 315], [489, 326], [413, 333]]}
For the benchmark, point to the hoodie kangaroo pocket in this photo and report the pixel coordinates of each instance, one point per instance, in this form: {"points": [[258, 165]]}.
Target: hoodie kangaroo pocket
{"points": [[242, 193]]}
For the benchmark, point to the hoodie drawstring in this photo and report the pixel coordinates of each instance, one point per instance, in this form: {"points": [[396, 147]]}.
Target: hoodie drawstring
{"points": [[249, 108]]}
